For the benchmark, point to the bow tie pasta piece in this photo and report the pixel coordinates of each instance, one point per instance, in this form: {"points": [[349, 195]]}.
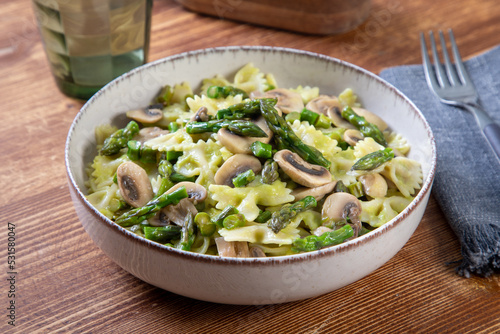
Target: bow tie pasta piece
{"points": [[313, 137], [202, 159], [397, 141], [405, 173], [366, 146], [247, 199], [307, 93], [341, 163], [104, 194], [106, 200], [174, 141], [249, 78], [379, 211], [260, 233], [102, 170]]}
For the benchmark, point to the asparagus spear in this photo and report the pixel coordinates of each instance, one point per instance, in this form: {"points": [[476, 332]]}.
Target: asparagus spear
{"points": [[373, 160], [356, 189], [165, 169], [234, 221], [239, 127], [228, 210], [262, 150], [244, 178], [240, 110], [162, 234], [313, 242], [366, 128], [340, 187], [270, 172], [285, 138], [134, 150], [206, 227], [263, 217], [138, 215], [187, 233], [165, 95], [215, 92], [119, 139], [282, 217]]}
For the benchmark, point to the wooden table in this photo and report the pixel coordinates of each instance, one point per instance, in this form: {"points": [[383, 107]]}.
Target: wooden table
{"points": [[64, 283]]}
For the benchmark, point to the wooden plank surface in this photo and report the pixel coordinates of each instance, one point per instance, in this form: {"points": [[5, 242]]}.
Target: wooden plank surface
{"points": [[65, 284]]}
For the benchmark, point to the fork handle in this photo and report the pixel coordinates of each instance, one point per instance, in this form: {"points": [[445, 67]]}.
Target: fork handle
{"points": [[490, 129], [492, 133]]}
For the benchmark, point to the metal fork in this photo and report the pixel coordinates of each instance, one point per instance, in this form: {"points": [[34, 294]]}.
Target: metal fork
{"points": [[453, 85]]}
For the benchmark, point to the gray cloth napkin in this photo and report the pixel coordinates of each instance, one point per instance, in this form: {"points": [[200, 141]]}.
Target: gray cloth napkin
{"points": [[467, 182]]}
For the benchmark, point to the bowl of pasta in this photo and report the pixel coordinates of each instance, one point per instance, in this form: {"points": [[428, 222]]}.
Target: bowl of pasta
{"points": [[250, 175]]}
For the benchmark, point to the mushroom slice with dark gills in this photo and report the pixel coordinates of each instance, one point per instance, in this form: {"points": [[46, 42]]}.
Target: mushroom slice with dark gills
{"points": [[316, 192], [148, 115], [200, 116], [340, 206], [301, 171], [288, 100], [196, 192], [235, 165], [240, 144], [322, 103], [134, 184], [331, 107], [352, 136], [174, 214]]}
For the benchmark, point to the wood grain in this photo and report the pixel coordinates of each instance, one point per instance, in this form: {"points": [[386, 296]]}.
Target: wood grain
{"points": [[67, 285]]}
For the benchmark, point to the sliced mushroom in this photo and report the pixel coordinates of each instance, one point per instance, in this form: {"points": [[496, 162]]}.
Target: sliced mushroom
{"points": [[301, 171], [134, 184], [257, 252], [288, 100], [317, 192], [232, 248], [371, 117], [322, 103], [201, 115], [173, 214], [196, 192], [374, 185], [335, 114], [237, 164], [352, 136], [339, 206], [148, 115], [241, 144], [148, 133]]}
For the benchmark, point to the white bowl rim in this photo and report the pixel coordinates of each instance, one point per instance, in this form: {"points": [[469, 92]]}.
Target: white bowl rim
{"points": [[276, 260]]}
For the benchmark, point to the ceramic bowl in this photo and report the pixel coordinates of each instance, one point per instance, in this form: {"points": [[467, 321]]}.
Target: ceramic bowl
{"points": [[248, 280]]}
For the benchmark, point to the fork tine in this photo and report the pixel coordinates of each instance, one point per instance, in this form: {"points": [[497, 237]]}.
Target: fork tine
{"points": [[429, 71], [450, 70], [441, 75], [462, 72]]}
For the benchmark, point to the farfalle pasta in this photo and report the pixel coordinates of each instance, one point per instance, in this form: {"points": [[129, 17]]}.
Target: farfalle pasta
{"points": [[244, 167]]}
